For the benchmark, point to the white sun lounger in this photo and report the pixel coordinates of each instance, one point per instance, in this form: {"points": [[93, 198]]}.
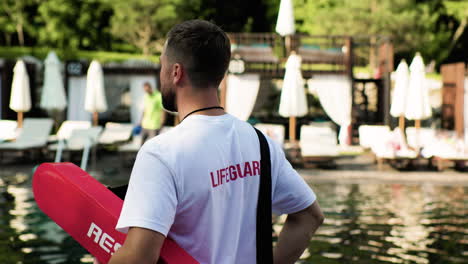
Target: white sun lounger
{"points": [[274, 131], [33, 135], [7, 130], [133, 146], [387, 145], [116, 133], [79, 140], [318, 141], [319, 145], [371, 135], [421, 138], [66, 129]]}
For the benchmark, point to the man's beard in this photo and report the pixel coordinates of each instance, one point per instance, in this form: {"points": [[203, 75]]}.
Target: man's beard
{"points": [[169, 100]]}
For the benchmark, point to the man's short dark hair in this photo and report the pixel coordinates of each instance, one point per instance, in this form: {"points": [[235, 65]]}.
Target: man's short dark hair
{"points": [[202, 48]]}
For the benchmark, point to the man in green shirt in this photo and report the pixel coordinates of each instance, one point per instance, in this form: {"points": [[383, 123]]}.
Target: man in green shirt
{"points": [[153, 113]]}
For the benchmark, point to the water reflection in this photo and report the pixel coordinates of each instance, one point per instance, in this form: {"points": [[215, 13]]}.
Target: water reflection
{"points": [[366, 223], [382, 223]]}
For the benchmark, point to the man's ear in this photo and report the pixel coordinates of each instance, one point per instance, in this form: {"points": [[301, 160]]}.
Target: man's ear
{"points": [[177, 73]]}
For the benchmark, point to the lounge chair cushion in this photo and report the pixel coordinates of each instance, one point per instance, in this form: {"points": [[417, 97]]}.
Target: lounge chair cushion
{"points": [[7, 130], [370, 136], [318, 141], [33, 134], [274, 131], [116, 132], [79, 138], [67, 127]]}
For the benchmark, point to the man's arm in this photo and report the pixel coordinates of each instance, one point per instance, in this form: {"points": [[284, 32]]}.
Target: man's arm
{"points": [[140, 247], [296, 234]]}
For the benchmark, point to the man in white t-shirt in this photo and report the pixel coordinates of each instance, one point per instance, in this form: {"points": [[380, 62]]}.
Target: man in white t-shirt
{"points": [[198, 183]]}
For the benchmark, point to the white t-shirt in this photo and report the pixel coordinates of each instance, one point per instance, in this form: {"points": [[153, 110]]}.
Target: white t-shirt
{"points": [[198, 184]]}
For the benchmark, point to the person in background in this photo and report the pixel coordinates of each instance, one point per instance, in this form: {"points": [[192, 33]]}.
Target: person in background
{"points": [[153, 115]]}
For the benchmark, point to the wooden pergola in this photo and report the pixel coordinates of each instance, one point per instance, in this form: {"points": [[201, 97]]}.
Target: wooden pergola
{"points": [[266, 54]]}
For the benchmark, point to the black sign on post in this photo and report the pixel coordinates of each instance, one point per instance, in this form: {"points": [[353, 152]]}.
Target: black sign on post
{"points": [[75, 68]]}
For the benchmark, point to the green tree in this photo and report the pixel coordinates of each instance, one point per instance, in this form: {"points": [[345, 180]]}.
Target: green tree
{"points": [[459, 10], [143, 23], [74, 25], [413, 25], [401, 19], [13, 15], [7, 27], [233, 16]]}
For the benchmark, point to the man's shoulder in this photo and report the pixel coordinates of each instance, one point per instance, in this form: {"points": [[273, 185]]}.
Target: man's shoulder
{"points": [[168, 137]]}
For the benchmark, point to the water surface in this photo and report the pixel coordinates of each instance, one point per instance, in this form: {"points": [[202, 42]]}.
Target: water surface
{"points": [[365, 223]]}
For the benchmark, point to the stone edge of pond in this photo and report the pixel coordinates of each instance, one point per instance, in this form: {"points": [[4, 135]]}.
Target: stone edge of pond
{"points": [[414, 177]]}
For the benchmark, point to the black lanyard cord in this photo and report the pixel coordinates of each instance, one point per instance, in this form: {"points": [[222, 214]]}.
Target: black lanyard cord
{"points": [[202, 109]]}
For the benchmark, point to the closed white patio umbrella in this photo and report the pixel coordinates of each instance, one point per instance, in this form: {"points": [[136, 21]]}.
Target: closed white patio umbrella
{"points": [[400, 91], [417, 105], [285, 22], [293, 102], [53, 93], [95, 98], [20, 100]]}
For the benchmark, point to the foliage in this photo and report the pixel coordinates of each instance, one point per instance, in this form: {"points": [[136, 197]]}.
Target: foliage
{"points": [[14, 18], [143, 23], [459, 10], [72, 25], [426, 26], [102, 56], [233, 16], [7, 26], [436, 28]]}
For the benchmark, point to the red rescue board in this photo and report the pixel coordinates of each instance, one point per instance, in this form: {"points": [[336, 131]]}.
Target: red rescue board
{"points": [[88, 211]]}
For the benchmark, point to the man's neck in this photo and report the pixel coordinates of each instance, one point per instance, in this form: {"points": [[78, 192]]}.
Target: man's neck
{"points": [[199, 100]]}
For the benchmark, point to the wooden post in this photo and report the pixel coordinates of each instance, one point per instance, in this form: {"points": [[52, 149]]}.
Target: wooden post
{"points": [[292, 128], [449, 95], [20, 119], [349, 57], [385, 67], [459, 99], [385, 61], [373, 63], [401, 123], [417, 124], [95, 118], [373, 40], [380, 163], [287, 42]]}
